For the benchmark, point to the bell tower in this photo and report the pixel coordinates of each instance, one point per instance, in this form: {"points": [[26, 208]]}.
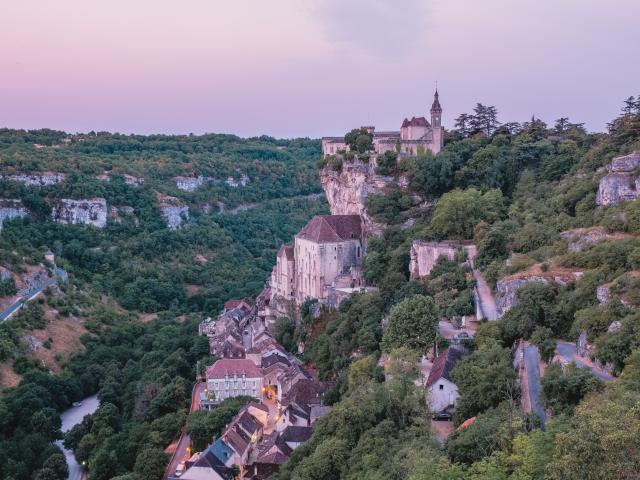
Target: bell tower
{"points": [[436, 112], [436, 124]]}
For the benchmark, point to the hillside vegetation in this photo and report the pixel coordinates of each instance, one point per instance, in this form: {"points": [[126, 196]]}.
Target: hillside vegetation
{"points": [[512, 189]]}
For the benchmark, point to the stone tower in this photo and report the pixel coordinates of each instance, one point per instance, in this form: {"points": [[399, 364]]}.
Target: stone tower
{"points": [[436, 123]]}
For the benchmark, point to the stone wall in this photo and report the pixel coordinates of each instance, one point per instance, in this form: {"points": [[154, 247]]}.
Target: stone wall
{"points": [[91, 211], [622, 183], [11, 208], [35, 179], [424, 256], [579, 238]]}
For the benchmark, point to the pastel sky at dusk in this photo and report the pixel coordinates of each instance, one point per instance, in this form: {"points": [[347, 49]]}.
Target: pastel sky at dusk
{"points": [[310, 67]]}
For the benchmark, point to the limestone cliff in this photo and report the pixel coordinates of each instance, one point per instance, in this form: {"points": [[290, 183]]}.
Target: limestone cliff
{"points": [[347, 190], [622, 182], [11, 208], [34, 179], [173, 211], [90, 211]]}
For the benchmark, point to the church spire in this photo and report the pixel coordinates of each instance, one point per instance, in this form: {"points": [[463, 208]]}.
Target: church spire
{"points": [[436, 111]]}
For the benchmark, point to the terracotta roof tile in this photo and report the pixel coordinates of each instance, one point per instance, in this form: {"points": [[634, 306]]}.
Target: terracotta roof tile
{"points": [[332, 228], [444, 364], [233, 366]]}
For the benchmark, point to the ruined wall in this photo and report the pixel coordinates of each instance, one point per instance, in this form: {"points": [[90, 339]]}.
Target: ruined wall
{"points": [[347, 190], [11, 208], [424, 255], [622, 183], [91, 211]]}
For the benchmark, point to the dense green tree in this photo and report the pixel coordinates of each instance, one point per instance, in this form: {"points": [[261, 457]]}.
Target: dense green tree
{"points": [[562, 389], [151, 463], [412, 323], [484, 379]]}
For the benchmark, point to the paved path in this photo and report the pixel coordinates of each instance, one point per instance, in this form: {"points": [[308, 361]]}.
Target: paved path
{"points": [[484, 297], [181, 453], [27, 294], [568, 352], [532, 370], [70, 418]]}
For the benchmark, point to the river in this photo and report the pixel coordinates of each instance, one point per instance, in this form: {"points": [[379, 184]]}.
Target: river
{"points": [[70, 418]]}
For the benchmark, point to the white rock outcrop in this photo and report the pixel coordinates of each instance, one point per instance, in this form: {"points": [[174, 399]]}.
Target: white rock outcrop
{"points": [[347, 190], [35, 179], [424, 256], [90, 211], [241, 182], [11, 208], [191, 184], [173, 211], [506, 289], [622, 182]]}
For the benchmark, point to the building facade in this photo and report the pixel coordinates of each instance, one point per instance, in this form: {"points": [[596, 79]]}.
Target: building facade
{"points": [[232, 378], [416, 136]]}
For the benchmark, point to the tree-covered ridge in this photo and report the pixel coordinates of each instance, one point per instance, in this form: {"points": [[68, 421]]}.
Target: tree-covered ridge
{"points": [[135, 268], [275, 168]]}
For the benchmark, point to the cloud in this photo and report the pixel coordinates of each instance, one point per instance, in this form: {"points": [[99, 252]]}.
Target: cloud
{"points": [[379, 27]]}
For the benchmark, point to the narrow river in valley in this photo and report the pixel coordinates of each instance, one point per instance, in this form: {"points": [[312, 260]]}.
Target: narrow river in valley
{"points": [[70, 418]]}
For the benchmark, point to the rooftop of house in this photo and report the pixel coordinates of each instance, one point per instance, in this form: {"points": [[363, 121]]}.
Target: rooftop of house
{"points": [[202, 468], [443, 365], [296, 434], [332, 228], [233, 366], [221, 450]]}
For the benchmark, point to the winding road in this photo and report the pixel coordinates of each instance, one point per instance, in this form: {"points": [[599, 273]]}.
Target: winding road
{"points": [[532, 369], [568, 352], [71, 418]]}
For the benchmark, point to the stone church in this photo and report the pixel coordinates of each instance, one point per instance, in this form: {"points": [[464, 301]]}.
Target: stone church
{"points": [[416, 135], [324, 262]]}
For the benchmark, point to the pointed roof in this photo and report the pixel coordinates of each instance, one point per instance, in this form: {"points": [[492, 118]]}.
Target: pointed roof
{"points": [[435, 106], [444, 364], [287, 251], [332, 228]]}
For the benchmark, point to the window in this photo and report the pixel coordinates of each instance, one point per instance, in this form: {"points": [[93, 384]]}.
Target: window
{"points": [[441, 387]]}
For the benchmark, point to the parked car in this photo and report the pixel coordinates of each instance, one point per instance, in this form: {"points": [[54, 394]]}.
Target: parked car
{"points": [[76, 404], [179, 470], [442, 416], [464, 335]]}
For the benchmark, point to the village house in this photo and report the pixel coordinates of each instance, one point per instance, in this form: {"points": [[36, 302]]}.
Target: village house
{"points": [[416, 136], [442, 392], [232, 378]]}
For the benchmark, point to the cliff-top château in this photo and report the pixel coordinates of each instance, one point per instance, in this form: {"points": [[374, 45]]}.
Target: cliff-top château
{"points": [[415, 135]]}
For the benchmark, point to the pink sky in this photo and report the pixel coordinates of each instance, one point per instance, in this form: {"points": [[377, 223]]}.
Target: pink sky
{"points": [[310, 67]]}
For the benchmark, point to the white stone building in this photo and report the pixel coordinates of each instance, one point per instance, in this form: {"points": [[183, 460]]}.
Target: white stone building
{"points": [[232, 378], [442, 392]]}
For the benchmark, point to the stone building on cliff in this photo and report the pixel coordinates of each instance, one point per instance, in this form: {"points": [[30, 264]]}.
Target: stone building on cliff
{"points": [[325, 259], [415, 135]]}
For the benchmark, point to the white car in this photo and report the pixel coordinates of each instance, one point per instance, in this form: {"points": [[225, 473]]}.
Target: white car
{"points": [[179, 470]]}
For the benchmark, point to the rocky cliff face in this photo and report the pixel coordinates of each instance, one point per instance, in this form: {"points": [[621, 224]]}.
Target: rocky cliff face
{"points": [[622, 183], [90, 211], [507, 288], [11, 208], [173, 211], [347, 190], [191, 184], [35, 179], [581, 237], [424, 255]]}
